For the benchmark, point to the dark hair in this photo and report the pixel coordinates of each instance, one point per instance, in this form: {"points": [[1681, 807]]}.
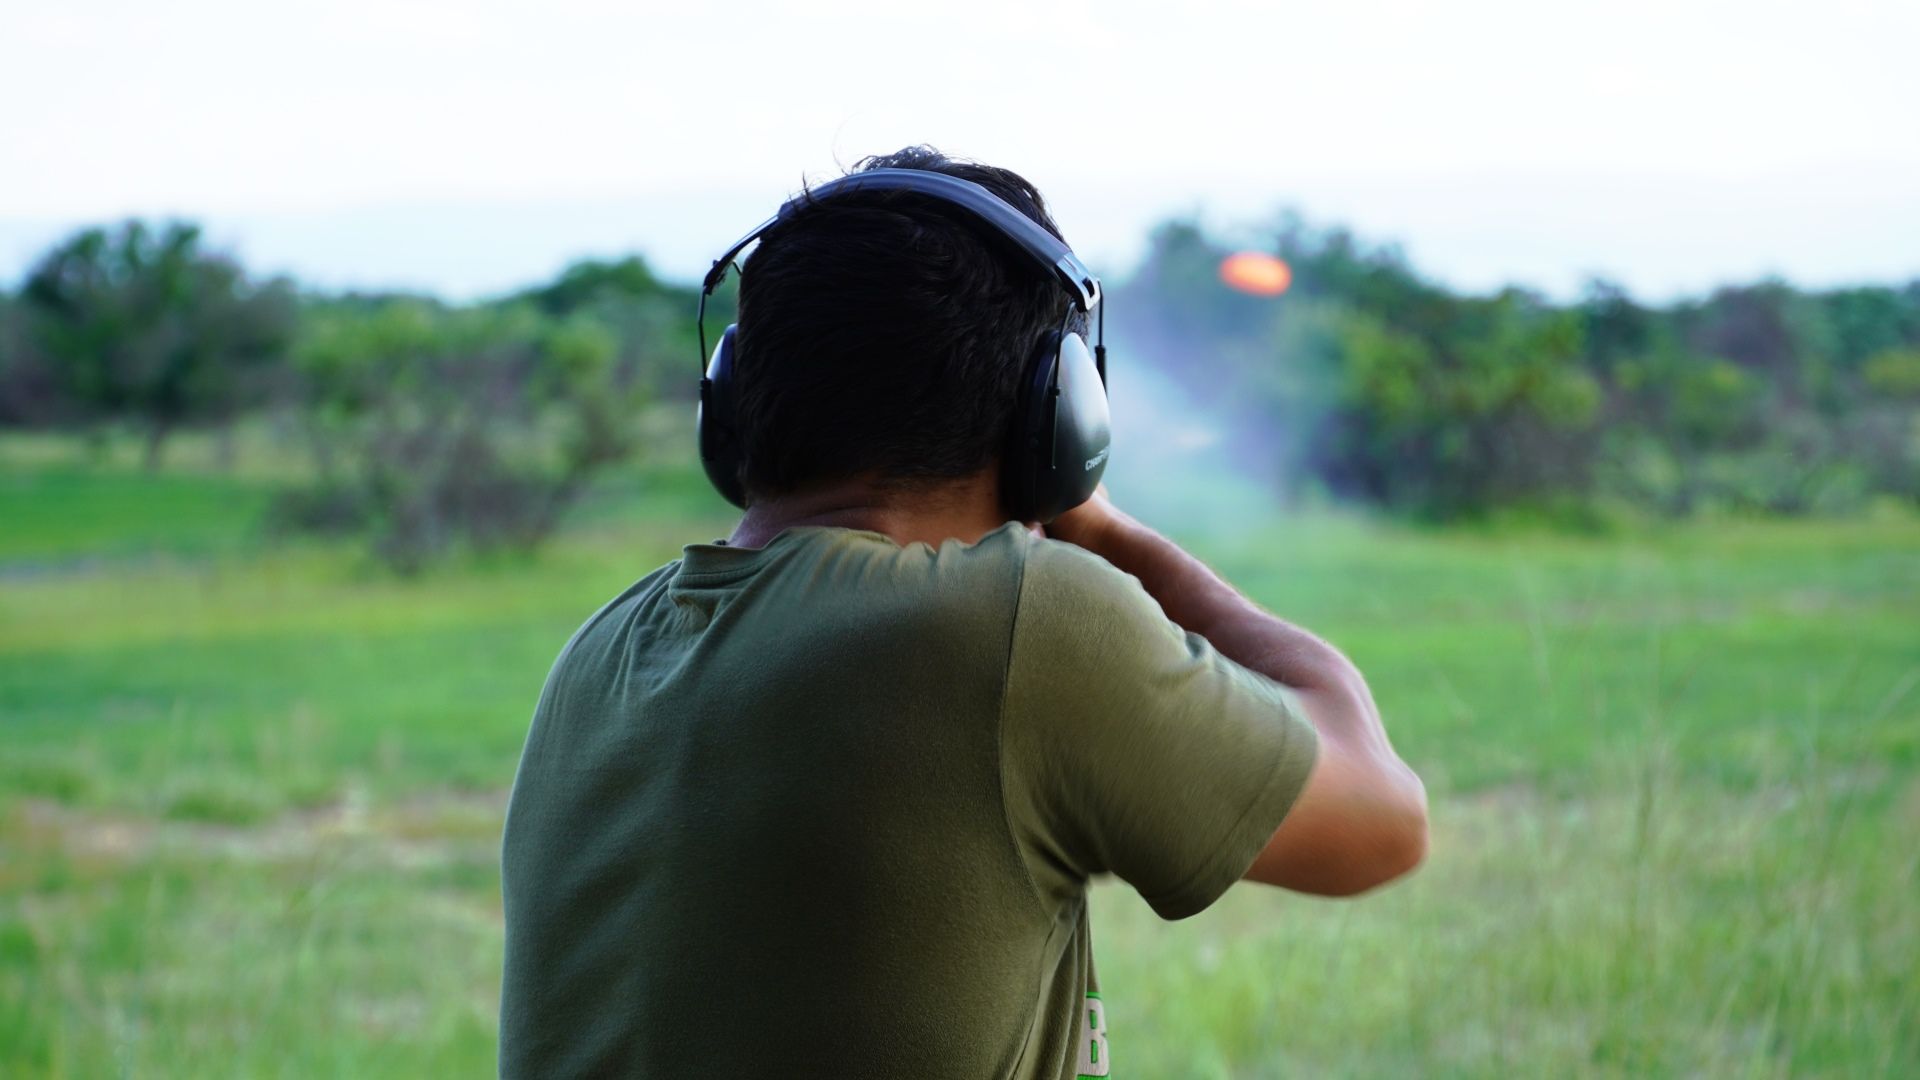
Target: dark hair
{"points": [[887, 334]]}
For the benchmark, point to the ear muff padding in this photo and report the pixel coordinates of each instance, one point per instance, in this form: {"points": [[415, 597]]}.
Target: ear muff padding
{"points": [[1062, 433], [717, 424]]}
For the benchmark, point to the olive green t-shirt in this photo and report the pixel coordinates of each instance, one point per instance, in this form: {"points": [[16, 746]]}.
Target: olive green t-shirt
{"points": [[829, 808]]}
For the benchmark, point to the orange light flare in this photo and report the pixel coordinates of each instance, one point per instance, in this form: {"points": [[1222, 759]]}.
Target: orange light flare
{"points": [[1256, 272]]}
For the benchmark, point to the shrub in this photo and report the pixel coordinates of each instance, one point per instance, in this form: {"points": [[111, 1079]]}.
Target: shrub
{"points": [[434, 428]]}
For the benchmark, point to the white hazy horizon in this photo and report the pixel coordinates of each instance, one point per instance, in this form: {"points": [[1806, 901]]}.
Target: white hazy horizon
{"points": [[470, 148]]}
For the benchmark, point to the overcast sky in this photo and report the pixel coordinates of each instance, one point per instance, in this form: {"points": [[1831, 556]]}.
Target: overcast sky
{"points": [[471, 147]]}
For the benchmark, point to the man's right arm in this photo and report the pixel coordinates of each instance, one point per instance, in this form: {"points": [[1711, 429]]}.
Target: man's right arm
{"points": [[1361, 820]]}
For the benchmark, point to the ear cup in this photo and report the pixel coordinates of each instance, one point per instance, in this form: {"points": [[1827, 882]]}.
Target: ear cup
{"points": [[1062, 433], [716, 423]]}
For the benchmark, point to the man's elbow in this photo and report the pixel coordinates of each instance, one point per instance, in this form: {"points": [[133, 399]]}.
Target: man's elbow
{"points": [[1361, 823], [1397, 847], [1407, 848]]}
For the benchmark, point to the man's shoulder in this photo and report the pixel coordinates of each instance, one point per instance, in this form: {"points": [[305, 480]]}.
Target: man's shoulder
{"points": [[639, 593], [621, 609], [1058, 564], [1066, 583]]}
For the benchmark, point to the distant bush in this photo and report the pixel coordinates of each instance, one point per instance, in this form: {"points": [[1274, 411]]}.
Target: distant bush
{"points": [[433, 428]]}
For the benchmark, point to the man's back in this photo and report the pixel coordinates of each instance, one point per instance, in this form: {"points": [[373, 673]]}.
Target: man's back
{"points": [[798, 809], [786, 777]]}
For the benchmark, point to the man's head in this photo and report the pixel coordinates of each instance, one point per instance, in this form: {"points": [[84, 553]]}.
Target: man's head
{"points": [[886, 337]]}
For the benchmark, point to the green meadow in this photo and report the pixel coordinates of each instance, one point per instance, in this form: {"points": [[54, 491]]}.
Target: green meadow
{"points": [[251, 791]]}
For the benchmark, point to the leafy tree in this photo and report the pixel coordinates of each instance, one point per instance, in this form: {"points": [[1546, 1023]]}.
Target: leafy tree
{"points": [[144, 324], [591, 280], [1614, 327], [1870, 321], [652, 321]]}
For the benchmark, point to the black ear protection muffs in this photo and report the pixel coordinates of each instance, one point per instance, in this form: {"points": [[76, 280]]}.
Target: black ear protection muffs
{"points": [[1057, 448]]}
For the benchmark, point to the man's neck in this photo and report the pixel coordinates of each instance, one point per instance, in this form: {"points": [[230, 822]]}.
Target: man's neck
{"points": [[964, 510]]}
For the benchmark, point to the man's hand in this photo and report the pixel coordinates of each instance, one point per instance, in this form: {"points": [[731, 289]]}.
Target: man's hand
{"points": [[1362, 819]]}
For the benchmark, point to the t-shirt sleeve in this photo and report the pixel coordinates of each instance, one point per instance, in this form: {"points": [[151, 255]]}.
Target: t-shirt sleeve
{"points": [[1130, 746]]}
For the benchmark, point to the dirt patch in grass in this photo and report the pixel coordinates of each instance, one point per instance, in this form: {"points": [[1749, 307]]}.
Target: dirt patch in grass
{"points": [[420, 831]]}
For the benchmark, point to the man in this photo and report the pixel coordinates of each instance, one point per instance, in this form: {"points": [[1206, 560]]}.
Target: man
{"points": [[825, 799]]}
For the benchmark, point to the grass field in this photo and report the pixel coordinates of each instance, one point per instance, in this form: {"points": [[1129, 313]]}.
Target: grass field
{"points": [[250, 794]]}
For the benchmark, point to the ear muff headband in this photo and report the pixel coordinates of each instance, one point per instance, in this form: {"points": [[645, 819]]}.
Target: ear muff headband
{"points": [[1047, 250], [1039, 483]]}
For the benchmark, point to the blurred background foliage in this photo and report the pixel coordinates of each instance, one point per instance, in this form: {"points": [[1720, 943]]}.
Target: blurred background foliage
{"points": [[430, 427], [1373, 384], [424, 427]]}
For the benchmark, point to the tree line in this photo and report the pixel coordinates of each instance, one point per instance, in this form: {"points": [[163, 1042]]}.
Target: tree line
{"points": [[430, 426]]}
